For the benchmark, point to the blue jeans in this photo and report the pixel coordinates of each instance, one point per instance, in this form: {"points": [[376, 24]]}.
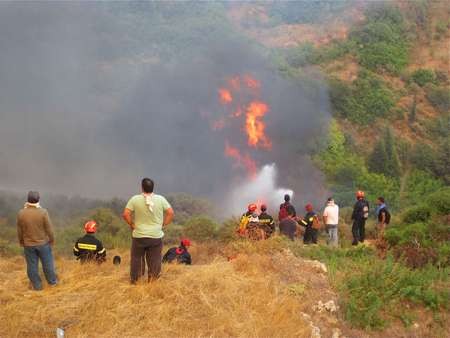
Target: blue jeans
{"points": [[332, 235], [32, 255]]}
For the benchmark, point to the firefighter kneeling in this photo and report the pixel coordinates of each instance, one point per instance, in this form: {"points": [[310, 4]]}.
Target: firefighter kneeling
{"points": [[89, 248], [256, 227]]}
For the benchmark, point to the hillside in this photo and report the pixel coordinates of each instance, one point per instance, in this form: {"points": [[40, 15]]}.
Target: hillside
{"points": [[345, 95], [240, 290]]}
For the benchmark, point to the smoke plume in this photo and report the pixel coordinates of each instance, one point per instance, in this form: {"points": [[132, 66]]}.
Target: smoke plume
{"points": [[86, 109]]}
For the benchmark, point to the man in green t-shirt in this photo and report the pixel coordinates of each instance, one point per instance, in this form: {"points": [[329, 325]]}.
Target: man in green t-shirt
{"points": [[147, 214]]}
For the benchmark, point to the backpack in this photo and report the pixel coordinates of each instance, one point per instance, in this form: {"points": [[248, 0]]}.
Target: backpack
{"points": [[366, 210], [388, 216], [315, 222], [283, 213]]}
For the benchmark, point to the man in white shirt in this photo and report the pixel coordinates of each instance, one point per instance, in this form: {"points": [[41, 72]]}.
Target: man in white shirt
{"points": [[331, 220]]}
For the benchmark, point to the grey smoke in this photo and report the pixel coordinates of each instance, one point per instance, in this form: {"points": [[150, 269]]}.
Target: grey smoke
{"points": [[83, 113]]}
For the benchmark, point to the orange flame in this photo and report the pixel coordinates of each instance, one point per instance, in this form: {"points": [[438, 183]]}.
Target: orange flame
{"points": [[241, 160], [225, 96], [255, 127]]}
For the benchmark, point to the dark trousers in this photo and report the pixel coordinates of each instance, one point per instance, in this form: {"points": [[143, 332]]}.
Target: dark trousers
{"points": [[310, 235], [358, 231], [151, 249], [43, 253]]}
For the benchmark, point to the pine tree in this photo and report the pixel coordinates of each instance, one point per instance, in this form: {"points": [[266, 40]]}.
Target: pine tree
{"points": [[377, 160], [392, 165]]}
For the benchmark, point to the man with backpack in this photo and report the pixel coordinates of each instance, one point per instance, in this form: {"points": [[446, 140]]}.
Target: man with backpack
{"points": [[359, 217], [286, 208], [384, 217], [312, 225]]}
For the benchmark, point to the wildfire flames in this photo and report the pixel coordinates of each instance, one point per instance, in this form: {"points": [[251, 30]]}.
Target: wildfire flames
{"points": [[255, 127], [241, 99]]}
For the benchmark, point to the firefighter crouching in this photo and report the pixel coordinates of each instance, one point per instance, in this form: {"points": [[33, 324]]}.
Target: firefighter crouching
{"points": [[89, 248]]}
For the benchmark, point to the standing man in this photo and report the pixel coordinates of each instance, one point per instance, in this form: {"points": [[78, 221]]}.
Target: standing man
{"points": [[151, 214], [286, 208], [331, 220], [311, 224], [384, 217], [288, 226], [359, 217], [35, 233]]}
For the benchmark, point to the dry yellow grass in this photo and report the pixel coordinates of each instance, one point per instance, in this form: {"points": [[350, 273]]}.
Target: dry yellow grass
{"points": [[247, 297]]}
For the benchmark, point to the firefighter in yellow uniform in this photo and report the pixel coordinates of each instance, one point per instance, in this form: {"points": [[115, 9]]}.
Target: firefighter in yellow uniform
{"points": [[245, 219], [89, 248]]}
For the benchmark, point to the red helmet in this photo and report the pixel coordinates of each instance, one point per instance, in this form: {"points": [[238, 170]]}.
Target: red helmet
{"points": [[263, 207], [360, 194], [90, 227], [252, 207], [309, 207], [185, 242]]}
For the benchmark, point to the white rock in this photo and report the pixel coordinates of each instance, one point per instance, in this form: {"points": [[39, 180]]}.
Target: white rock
{"points": [[315, 331], [336, 333]]}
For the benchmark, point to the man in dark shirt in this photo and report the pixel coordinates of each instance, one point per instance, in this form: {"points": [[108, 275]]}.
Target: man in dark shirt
{"points": [[288, 226], [359, 217], [180, 254], [286, 208], [266, 222], [89, 248], [310, 222], [384, 217]]}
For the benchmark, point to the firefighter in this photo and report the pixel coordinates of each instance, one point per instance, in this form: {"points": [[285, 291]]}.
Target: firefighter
{"points": [[254, 230], [179, 254], [359, 217], [89, 248], [245, 219], [311, 224], [266, 221]]}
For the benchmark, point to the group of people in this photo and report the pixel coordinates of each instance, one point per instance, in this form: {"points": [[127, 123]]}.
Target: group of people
{"points": [[262, 226], [147, 214]]}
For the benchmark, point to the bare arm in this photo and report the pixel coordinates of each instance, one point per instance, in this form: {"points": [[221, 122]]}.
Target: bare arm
{"points": [[128, 217], [168, 216]]}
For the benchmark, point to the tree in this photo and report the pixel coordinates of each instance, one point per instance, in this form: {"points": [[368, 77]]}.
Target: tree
{"points": [[392, 164], [384, 157], [378, 158]]}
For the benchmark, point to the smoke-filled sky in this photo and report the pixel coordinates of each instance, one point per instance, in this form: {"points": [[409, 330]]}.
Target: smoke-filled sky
{"points": [[88, 106]]}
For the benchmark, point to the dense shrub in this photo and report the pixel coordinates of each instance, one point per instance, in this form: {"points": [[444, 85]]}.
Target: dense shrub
{"points": [[439, 97], [200, 228], [423, 76], [439, 201], [382, 286], [382, 39], [419, 213], [366, 99]]}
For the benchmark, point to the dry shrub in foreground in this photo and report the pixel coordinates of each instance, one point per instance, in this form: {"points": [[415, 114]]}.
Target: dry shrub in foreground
{"points": [[214, 300]]}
